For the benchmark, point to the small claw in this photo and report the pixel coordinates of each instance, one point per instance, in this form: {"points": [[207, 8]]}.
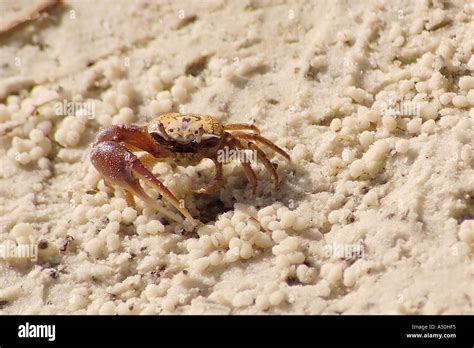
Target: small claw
{"points": [[129, 198]]}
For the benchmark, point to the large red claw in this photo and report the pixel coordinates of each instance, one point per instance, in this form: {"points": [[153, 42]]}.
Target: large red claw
{"points": [[119, 166]]}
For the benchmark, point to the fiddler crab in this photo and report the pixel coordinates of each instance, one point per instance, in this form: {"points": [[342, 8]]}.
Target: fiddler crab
{"points": [[186, 139]]}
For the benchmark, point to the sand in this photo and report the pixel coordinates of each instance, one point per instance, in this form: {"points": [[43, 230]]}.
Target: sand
{"points": [[373, 100]]}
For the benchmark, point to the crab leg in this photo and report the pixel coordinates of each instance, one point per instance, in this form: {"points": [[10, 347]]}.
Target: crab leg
{"points": [[251, 176], [262, 140], [266, 162], [119, 166], [218, 180], [241, 126], [249, 172]]}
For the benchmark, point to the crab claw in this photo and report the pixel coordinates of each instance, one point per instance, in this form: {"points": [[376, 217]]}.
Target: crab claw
{"points": [[121, 167]]}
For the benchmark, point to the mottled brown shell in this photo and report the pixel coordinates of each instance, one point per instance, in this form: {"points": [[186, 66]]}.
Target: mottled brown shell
{"points": [[187, 127]]}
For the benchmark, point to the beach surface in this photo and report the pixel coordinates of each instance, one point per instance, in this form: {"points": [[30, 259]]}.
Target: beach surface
{"points": [[373, 100]]}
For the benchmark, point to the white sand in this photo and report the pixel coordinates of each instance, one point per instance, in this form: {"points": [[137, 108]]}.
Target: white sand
{"points": [[373, 100]]}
